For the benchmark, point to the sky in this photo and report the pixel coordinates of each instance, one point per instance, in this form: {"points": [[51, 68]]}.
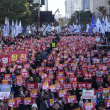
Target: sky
{"points": [[53, 5]]}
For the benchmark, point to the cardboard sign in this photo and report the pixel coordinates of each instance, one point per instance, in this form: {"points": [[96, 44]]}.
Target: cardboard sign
{"points": [[81, 85], [45, 85], [27, 101], [74, 84], [12, 103], [51, 76], [48, 79], [87, 94], [58, 86], [24, 74], [13, 56], [52, 101], [99, 79], [67, 86], [23, 56], [107, 103], [43, 76], [4, 59], [4, 82], [18, 100], [7, 76], [27, 66], [11, 70], [88, 75], [62, 93], [89, 106], [73, 79], [53, 88], [30, 86], [33, 93], [3, 70], [4, 95], [60, 73], [20, 82], [5, 88], [18, 77], [68, 73], [71, 99], [61, 79]]}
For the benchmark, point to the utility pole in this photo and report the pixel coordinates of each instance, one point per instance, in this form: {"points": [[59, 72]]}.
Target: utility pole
{"points": [[79, 15], [38, 18]]}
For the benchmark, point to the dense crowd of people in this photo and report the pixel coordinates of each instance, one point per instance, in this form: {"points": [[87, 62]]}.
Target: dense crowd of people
{"points": [[60, 72]]}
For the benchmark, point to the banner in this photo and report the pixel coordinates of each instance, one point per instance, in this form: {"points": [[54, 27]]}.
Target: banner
{"points": [[53, 88], [23, 56], [52, 101], [4, 82], [7, 76], [45, 85], [99, 79], [24, 74], [71, 99], [12, 103], [62, 93], [67, 86], [33, 93], [73, 79], [27, 101], [4, 59], [20, 82], [81, 85], [88, 75], [89, 106], [18, 100], [13, 56], [31, 86], [87, 94], [5, 88], [4, 95]]}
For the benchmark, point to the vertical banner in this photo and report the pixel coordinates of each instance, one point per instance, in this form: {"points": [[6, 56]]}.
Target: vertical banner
{"points": [[13, 56], [4, 59], [23, 56]]}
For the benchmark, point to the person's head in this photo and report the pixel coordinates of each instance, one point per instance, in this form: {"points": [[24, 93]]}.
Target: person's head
{"points": [[86, 101], [26, 92], [31, 79], [45, 96], [34, 107], [69, 93], [71, 104], [56, 106], [21, 89]]}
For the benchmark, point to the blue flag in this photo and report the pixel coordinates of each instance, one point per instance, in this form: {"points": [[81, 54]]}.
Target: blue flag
{"points": [[93, 25]]}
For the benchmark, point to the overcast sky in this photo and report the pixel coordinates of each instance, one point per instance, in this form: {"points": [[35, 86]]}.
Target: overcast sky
{"points": [[53, 5]]}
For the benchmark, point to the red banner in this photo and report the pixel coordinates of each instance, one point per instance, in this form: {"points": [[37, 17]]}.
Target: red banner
{"points": [[73, 79], [60, 73], [4, 59], [13, 56], [20, 82], [24, 74], [23, 56], [31, 86], [88, 75], [27, 101], [18, 100], [81, 85], [62, 93], [89, 106], [12, 103], [33, 93], [67, 86], [99, 79], [7, 76], [71, 99]]}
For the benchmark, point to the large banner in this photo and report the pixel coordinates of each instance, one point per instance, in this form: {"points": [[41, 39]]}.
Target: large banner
{"points": [[4, 59], [13, 56], [23, 56]]}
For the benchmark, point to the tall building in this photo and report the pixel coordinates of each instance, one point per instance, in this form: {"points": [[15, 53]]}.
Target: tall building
{"points": [[94, 4], [71, 6], [86, 5]]}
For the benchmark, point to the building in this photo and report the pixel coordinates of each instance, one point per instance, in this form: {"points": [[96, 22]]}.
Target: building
{"points": [[71, 6], [86, 5], [94, 4]]}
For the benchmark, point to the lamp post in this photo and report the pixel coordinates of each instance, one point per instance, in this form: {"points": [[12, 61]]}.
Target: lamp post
{"points": [[47, 5]]}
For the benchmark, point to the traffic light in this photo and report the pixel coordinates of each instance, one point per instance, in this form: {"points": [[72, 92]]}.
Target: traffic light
{"points": [[42, 2]]}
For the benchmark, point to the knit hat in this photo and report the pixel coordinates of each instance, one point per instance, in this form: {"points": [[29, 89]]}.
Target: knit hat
{"points": [[34, 105]]}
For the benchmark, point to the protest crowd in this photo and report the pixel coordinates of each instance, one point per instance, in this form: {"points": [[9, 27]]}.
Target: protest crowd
{"points": [[58, 72]]}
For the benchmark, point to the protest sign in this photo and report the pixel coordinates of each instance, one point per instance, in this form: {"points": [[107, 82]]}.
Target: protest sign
{"points": [[30, 86], [4, 59], [13, 56], [62, 93], [4, 95], [20, 82], [27, 101], [71, 99], [45, 85], [89, 106], [23, 56], [52, 101], [87, 94], [33, 93], [5, 88], [107, 103], [12, 103], [67, 86], [18, 100]]}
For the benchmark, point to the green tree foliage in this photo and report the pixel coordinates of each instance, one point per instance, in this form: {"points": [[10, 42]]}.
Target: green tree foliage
{"points": [[102, 9], [24, 10], [85, 17]]}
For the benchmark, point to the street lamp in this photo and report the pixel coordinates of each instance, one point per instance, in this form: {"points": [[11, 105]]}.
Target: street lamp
{"points": [[47, 5]]}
